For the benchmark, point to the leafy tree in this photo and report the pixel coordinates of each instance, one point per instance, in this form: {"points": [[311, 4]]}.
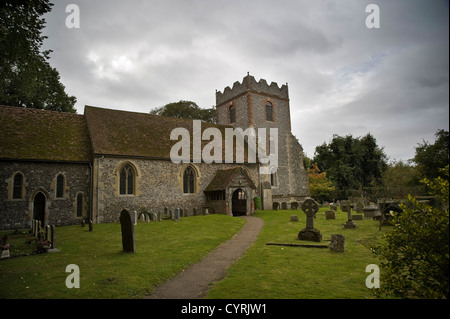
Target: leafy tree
{"points": [[186, 110], [431, 157], [415, 254], [352, 163], [401, 179], [27, 78], [319, 185]]}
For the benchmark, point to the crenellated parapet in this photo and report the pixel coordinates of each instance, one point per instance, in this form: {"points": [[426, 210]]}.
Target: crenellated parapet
{"points": [[250, 84]]}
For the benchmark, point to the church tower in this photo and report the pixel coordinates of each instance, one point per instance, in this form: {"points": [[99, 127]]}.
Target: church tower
{"points": [[259, 105]]}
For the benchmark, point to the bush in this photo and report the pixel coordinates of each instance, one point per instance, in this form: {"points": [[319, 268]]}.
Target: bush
{"points": [[415, 255]]}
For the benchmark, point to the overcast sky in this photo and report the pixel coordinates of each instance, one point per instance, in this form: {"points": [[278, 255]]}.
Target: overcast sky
{"points": [[343, 78]]}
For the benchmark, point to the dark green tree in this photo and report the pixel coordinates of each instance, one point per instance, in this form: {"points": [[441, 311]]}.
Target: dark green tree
{"points": [[186, 110], [352, 163], [430, 158], [27, 79]]}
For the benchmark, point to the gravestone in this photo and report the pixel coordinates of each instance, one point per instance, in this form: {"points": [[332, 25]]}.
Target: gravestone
{"points": [[357, 217], [91, 225], [333, 207], [127, 227], [330, 214], [310, 208], [337, 243], [176, 214], [371, 211], [359, 206], [346, 207], [294, 218]]}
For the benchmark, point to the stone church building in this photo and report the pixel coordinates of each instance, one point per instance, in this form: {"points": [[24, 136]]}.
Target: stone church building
{"points": [[61, 168]]}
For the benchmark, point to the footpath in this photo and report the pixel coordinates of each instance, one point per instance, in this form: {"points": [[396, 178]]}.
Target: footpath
{"points": [[194, 282]]}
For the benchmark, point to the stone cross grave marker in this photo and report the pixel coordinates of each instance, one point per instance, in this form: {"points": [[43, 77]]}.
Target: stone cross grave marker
{"points": [[346, 207], [310, 208], [127, 227]]}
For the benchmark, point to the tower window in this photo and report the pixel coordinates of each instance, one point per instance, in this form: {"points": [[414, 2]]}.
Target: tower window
{"points": [[269, 112], [232, 111], [127, 180]]}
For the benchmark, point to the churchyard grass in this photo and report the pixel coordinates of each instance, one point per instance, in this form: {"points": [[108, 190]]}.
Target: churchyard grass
{"points": [[281, 272], [163, 249]]}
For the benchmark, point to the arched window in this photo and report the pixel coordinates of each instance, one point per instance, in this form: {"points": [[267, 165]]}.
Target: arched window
{"points": [[232, 111], [269, 112], [79, 205], [127, 180], [60, 186], [18, 186], [189, 180]]}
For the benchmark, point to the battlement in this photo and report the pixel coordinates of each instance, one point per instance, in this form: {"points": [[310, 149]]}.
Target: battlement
{"points": [[249, 84]]}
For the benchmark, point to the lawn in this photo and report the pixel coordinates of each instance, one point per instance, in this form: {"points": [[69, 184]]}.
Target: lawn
{"points": [[164, 249], [272, 272]]}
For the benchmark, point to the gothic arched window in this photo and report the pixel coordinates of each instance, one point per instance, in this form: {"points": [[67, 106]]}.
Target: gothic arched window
{"points": [[18, 186], [60, 186], [189, 180], [127, 180]]}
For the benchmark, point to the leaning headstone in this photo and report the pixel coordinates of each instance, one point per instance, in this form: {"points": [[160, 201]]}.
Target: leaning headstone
{"points": [[346, 207], [337, 243], [310, 208], [127, 228], [294, 218], [5, 254], [330, 214]]}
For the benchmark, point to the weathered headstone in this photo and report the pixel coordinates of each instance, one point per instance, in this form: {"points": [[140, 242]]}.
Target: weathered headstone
{"points": [[5, 254], [176, 214], [330, 214], [127, 227], [136, 216], [337, 243], [346, 207], [91, 225], [310, 208], [357, 217], [359, 206], [371, 211], [333, 207], [294, 218]]}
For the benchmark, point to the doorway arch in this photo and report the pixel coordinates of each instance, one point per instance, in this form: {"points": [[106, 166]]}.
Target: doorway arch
{"points": [[239, 203], [39, 201]]}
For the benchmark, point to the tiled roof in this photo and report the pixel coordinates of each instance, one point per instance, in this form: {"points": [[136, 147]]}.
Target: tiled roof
{"points": [[32, 134], [224, 177], [123, 133]]}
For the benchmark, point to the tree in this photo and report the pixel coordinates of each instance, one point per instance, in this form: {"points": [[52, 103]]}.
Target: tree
{"points": [[186, 110], [320, 186], [352, 163], [430, 158], [414, 257], [27, 78], [401, 179]]}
